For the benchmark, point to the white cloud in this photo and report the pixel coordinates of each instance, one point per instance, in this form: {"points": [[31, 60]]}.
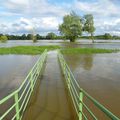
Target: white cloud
{"points": [[109, 26], [16, 6], [98, 8], [38, 13], [26, 25], [34, 8]]}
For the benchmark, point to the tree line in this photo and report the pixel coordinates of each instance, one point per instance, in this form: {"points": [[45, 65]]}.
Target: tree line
{"points": [[106, 36], [53, 36], [50, 35]]}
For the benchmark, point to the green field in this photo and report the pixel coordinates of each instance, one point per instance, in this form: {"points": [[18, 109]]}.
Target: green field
{"points": [[29, 50]]}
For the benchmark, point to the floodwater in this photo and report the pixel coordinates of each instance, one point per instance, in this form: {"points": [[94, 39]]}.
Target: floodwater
{"points": [[12, 43], [80, 43], [51, 101], [13, 70], [98, 74]]}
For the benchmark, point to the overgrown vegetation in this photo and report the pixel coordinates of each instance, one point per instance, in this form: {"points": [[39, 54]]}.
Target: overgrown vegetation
{"points": [[74, 25], [3, 38], [51, 35], [87, 50], [88, 25], [71, 26], [30, 50]]}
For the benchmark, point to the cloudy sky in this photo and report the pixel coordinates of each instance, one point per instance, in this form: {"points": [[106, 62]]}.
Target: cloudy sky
{"points": [[20, 16]]}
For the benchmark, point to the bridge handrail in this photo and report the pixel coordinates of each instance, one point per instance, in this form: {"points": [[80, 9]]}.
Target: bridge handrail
{"points": [[78, 94], [27, 86]]}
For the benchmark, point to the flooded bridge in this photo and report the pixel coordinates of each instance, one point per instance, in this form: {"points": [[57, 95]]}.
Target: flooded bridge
{"points": [[51, 101], [46, 95]]}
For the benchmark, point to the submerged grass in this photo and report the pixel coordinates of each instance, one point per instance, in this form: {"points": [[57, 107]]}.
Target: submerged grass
{"points": [[87, 50], [29, 50]]}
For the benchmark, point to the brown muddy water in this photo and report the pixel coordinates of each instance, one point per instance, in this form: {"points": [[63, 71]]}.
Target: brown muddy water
{"points": [[98, 74], [13, 70], [51, 101], [78, 43]]}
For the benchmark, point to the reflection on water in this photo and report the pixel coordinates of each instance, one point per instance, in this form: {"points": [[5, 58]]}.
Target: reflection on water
{"points": [[13, 70], [86, 60], [12, 43], [99, 75]]}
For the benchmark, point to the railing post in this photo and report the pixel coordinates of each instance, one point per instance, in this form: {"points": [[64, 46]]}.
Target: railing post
{"points": [[38, 67], [69, 79], [64, 66], [17, 107], [31, 81], [80, 105]]}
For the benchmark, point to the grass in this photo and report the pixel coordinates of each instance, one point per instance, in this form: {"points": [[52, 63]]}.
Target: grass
{"points": [[34, 50], [87, 51], [27, 50]]}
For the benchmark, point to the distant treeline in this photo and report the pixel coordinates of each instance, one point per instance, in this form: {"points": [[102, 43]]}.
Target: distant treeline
{"points": [[106, 36], [53, 36], [30, 36]]}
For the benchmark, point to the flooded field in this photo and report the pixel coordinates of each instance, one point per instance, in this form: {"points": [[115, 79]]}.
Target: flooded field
{"points": [[80, 43], [13, 70], [98, 74], [51, 101]]}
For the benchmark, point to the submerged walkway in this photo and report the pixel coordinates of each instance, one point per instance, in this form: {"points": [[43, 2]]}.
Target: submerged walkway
{"points": [[50, 100]]}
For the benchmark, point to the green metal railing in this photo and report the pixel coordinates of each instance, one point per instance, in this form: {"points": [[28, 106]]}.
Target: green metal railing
{"points": [[79, 96], [21, 96]]}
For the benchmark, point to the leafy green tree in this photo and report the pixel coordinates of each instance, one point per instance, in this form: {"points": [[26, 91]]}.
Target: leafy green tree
{"points": [[38, 37], [3, 38], [29, 36], [88, 25], [71, 27], [32, 37], [107, 36], [51, 35], [23, 37]]}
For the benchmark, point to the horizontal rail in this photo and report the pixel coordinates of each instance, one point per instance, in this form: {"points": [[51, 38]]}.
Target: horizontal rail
{"points": [[25, 89], [78, 94]]}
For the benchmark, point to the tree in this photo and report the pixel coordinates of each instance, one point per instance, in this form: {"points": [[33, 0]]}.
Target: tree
{"points": [[88, 25], [51, 35], [107, 36], [38, 37], [33, 37], [23, 37], [29, 36], [71, 27], [3, 38]]}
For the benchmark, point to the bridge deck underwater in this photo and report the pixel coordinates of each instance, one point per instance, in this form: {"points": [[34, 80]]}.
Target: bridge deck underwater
{"points": [[49, 100], [51, 92]]}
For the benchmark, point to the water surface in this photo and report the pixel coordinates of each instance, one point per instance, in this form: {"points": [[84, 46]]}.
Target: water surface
{"points": [[79, 43], [99, 75], [13, 70]]}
